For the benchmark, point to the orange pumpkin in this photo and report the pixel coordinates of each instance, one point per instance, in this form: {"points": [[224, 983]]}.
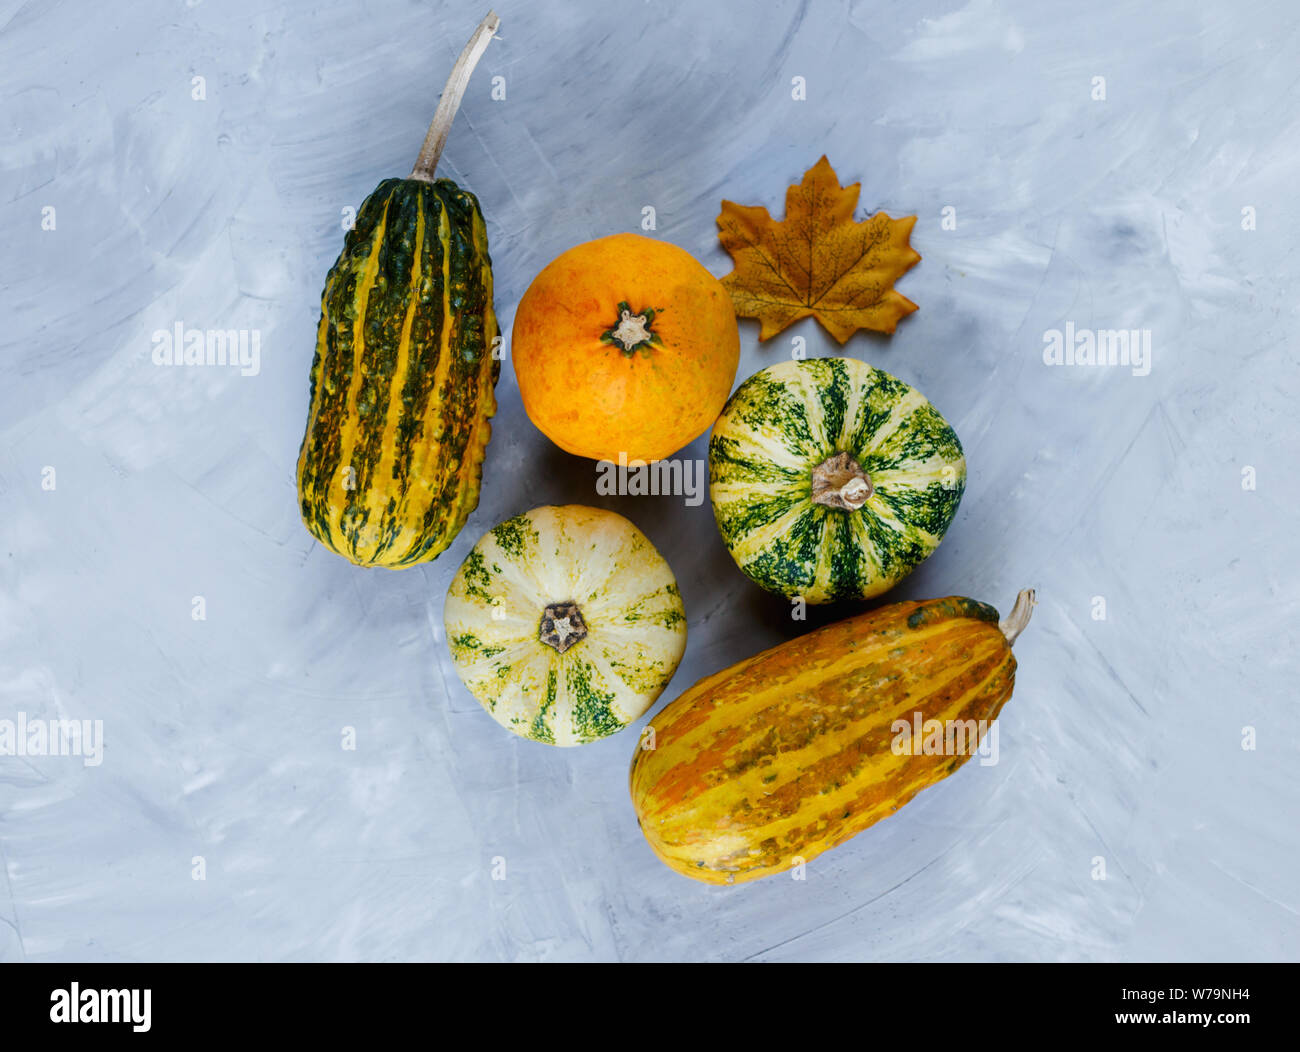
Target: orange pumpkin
{"points": [[625, 346]]}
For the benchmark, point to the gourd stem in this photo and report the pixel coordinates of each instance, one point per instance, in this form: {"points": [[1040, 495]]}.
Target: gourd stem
{"points": [[840, 482], [562, 626], [436, 138], [1014, 623]]}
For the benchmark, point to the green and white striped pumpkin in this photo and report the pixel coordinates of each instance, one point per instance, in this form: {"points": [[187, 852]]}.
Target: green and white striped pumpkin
{"points": [[832, 480], [565, 623]]}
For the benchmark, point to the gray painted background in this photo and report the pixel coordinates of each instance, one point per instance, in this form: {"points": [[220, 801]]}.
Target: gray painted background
{"points": [[1123, 746]]}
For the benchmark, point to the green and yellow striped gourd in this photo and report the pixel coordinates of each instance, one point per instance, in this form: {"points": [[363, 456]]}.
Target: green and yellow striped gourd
{"points": [[402, 383]]}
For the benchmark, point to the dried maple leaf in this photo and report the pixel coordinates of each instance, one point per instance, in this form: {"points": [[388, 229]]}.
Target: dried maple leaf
{"points": [[817, 261]]}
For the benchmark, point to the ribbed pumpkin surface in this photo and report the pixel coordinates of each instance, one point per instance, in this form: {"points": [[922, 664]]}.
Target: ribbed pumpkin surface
{"points": [[623, 607], [790, 753], [403, 377], [786, 420], [587, 386]]}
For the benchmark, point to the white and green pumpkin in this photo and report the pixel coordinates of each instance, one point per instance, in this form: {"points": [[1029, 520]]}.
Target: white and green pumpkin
{"points": [[832, 480], [565, 623]]}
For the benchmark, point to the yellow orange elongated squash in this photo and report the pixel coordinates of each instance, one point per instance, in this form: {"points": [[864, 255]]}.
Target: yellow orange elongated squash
{"points": [[797, 749]]}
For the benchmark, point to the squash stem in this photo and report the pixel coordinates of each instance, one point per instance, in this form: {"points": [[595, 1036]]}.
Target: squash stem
{"points": [[436, 138], [562, 626], [840, 482], [1014, 623]]}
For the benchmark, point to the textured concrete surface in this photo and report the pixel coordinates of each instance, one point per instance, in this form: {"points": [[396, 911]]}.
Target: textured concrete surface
{"points": [[1154, 747]]}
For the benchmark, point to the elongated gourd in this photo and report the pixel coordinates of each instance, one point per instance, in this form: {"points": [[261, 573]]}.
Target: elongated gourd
{"points": [[403, 379], [773, 761]]}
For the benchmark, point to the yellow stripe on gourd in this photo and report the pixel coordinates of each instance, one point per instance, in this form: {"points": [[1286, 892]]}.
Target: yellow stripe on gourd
{"points": [[754, 543], [808, 393], [484, 398], [412, 521], [377, 497], [854, 406], [898, 414], [828, 551], [351, 418], [744, 701], [916, 474]]}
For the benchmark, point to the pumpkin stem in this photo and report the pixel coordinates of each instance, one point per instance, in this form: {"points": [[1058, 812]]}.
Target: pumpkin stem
{"points": [[436, 138], [840, 482], [562, 626], [1014, 623], [632, 332]]}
